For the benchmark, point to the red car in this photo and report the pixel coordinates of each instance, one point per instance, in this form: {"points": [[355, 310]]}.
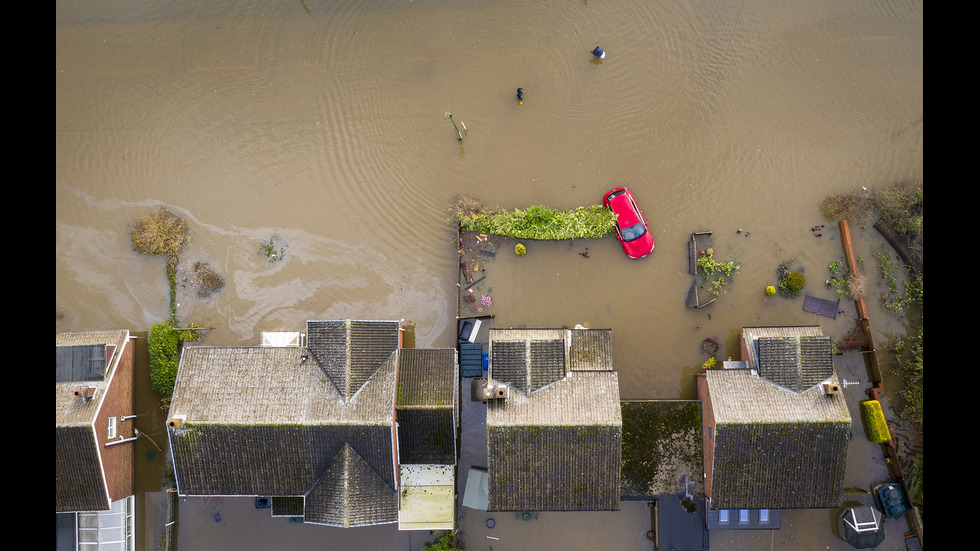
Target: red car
{"points": [[631, 229]]}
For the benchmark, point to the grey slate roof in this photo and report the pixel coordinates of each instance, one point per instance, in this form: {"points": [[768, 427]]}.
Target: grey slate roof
{"points": [[425, 405], [554, 443], [82, 359], [80, 484], [351, 350], [312, 426], [794, 357], [311, 421], [775, 448], [351, 494]]}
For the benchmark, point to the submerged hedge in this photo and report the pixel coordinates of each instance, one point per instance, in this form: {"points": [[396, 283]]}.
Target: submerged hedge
{"points": [[874, 421], [542, 223]]}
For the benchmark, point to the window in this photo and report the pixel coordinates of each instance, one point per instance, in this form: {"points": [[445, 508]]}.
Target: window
{"points": [[743, 516], [709, 431], [112, 427], [764, 516], [723, 516]]}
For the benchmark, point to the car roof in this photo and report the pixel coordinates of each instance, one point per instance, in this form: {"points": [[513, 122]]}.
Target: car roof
{"points": [[621, 205]]}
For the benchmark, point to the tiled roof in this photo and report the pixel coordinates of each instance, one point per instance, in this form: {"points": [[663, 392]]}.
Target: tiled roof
{"points": [[739, 396], [79, 480], [779, 465], [527, 359], [554, 468], [554, 444], [796, 363], [351, 350], [427, 377], [590, 350], [350, 493], [271, 421], [257, 385], [70, 409], [795, 357], [775, 448], [80, 484], [270, 460], [425, 400], [584, 398]]}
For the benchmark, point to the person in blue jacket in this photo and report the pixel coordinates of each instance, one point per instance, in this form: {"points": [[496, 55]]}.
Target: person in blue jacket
{"points": [[598, 52]]}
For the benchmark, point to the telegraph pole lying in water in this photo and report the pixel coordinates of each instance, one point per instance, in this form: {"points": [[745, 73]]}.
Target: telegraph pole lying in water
{"points": [[459, 136]]}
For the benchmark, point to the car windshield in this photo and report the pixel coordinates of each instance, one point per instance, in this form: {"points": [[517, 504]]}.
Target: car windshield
{"points": [[634, 232]]}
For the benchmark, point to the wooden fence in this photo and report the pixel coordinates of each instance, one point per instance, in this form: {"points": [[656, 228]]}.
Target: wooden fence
{"points": [[877, 384]]}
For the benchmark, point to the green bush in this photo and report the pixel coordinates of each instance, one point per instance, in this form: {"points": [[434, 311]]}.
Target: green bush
{"points": [[164, 344], [445, 542], [874, 421], [795, 281], [541, 223]]}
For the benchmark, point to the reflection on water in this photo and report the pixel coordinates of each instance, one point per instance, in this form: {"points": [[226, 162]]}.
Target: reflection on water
{"points": [[324, 123]]}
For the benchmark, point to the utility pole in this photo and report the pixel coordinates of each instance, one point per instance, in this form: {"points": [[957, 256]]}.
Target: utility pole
{"points": [[459, 136]]}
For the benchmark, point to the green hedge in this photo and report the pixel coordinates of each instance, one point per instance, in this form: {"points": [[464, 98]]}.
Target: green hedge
{"points": [[874, 421], [542, 223], [164, 344], [444, 542]]}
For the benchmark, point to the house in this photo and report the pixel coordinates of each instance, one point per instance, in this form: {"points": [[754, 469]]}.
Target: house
{"points": [[776, 428], [344, 429], [554, 429], [94, 435]]}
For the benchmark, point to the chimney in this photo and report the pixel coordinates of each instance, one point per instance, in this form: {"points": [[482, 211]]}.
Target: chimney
{"points": [[177, 421], [831, 388], [85, 393]]}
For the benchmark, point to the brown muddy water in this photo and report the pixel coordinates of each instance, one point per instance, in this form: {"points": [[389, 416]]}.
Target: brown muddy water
{"points": [[323, 123]]}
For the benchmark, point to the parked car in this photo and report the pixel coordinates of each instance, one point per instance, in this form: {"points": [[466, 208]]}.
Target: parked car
{"points": [[892, 499], [631, 228]]}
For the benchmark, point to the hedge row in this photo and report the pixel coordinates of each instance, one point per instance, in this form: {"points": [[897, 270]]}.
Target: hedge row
{"points": [[542, 223], [164, 344], [874, 421]]}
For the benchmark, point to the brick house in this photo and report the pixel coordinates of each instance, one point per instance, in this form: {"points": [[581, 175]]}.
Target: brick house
{"points": [[776, 428], [94, 415], [554, 428], [347, 429]]}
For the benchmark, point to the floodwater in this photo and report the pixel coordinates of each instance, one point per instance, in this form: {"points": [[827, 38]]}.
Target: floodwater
{"points": [[323, 124]]}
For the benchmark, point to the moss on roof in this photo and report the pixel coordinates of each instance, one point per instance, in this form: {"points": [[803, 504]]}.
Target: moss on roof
{"points": [[662, 442]]}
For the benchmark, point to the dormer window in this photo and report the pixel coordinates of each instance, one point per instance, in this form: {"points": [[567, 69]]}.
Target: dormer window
{"points": [[112, 427]]}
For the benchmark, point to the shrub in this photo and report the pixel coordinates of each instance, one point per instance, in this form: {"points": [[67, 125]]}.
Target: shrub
{"points": [[795, 281], [444, 542], [857, 285], [539, 215], [901, 206], [874, 421], [538, 222], [840, 206], [211, 281], [855, 339], [160, 233]]}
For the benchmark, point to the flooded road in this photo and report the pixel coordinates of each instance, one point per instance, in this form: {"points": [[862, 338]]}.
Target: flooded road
{"points": [[323, 124]]}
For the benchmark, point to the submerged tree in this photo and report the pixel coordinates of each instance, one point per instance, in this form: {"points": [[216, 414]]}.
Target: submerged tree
{"points": [[162, 233]]}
